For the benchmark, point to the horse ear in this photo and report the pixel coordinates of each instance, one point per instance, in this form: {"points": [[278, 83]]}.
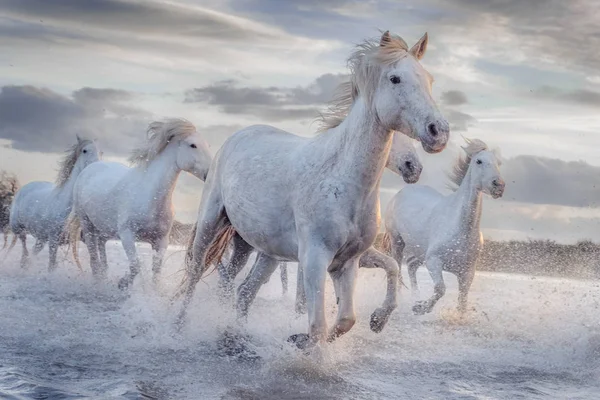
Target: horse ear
{"points": [[418, 50], [78, 138], [385, 39]]}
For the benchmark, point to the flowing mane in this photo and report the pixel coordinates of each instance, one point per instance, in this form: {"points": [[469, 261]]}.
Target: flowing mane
{"points": [[461, 166], [364, 64], [65, 166], [159, 134]]}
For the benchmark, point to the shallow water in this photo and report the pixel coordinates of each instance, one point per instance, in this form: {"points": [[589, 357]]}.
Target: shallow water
{"points": [[64, 337]]}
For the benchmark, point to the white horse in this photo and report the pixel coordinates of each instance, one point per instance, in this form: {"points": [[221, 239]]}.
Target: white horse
{"points": [[440, 231], [316, 200], [402, 160], [41, 208], [112, 200]]}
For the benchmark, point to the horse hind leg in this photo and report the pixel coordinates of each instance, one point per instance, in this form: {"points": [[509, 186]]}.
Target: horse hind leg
{"points": [[212, 221], [413, 265], [228, 271], [25, 255], [261, 271]]}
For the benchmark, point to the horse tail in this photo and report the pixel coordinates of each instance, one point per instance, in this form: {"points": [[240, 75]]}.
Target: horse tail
{"points": [[217, 248], [383, 242], [194, 269], [72, 234]]}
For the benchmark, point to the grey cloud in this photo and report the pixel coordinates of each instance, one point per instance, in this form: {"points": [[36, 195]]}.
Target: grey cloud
{"points": [[273, 103], [581, 96], [454, 98], [540, 180], [459, 121], [142, 17], [38, 119], [565, 32]]}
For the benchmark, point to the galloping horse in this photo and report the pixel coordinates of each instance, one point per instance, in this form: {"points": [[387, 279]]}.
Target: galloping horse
{"points": [[402, 160], [41, 208], [316, 200], [414, 215], [112, 200]]}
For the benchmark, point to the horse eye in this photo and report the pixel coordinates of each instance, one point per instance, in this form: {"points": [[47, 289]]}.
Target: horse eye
{"points": [[479, 161], [395, 80], [193, 146], [85, 151]]}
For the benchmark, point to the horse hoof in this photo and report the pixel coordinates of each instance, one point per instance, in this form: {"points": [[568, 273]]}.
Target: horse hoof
{"points": [[124, 283], [378, 321], [236, 345], [421, 308], [301, 340]]}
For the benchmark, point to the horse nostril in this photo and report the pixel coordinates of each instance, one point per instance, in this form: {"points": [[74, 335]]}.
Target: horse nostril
{"points": [[432, 129], [408, 164]]}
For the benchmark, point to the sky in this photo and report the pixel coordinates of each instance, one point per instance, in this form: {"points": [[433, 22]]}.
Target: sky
{"points": [[520, 75]]}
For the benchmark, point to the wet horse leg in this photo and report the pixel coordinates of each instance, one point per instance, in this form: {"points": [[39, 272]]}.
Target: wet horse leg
{"points": [[128, 240], [284, 277], [465, 279], [211, 220], [435, 267], [228, 272], [375, 259], [159, 248], [344, 282], [300, 293], [261, 271]]}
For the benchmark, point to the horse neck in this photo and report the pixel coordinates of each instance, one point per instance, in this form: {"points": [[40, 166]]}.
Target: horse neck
{"points": [[65, 191], [160, 176], [469, 198], [359, 147]]}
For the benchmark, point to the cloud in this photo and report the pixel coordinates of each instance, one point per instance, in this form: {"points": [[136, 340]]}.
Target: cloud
{"points": [[459, 121], [272, 103], [39, 119], [454, 98], [541, 180], [553, 32], [150, 18], [580, 96]]}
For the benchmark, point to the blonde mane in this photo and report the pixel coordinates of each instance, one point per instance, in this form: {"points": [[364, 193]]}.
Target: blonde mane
{"points": [[66, 165], [461, 166], [365, 69], [159, 135]]}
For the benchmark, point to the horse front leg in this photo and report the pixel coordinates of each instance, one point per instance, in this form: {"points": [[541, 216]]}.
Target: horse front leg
{"points": [[102, 260], [300, 293], [284, 277], [128, 241], [159, 247], [52, 252], [344, 282], [314, 261], [375, 259], [435, 267], [465, 279]]}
